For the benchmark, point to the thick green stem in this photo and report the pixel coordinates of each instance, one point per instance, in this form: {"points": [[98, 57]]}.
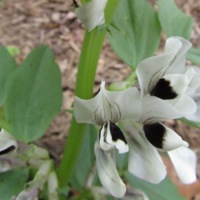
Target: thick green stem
{"points": [[84, 89], [91, 49]]}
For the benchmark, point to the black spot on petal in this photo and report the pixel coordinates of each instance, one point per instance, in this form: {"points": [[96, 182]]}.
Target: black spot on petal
{"points": [[8, 150], [155, 134], [116, 133], [163, 90]]}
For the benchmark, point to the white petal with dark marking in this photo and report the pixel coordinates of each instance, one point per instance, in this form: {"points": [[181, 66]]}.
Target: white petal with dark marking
{"points": [[7, 143], [171, 86], [150, 70], [144, 160], [163, 137], [110, 136]]}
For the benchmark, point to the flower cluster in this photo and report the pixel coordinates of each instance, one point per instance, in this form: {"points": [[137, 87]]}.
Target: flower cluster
{"points": [[14, 155], [132, 120]]}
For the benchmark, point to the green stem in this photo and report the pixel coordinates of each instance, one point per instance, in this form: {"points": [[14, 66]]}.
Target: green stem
{"points": [[91, 50], [120, 86], [131, 79]]}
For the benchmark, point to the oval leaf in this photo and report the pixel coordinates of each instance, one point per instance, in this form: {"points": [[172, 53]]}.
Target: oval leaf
{"points": [[173, 21], [7, 66], [12, 183], [194, 56], [34, 95], [135, 31], [155, 191]]}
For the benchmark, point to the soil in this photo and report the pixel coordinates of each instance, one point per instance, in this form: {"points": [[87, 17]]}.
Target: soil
{"points": [[26, 24]]}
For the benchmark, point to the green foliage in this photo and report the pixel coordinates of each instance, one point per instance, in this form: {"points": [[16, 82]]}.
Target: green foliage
{"points": [[194, 56], [191, 123], [7, 66], [135, 31], [12, 183], [86, 159], [13, 51], [85, 195], [34, 95], [166, 190], [64, 191], [173, 21]]}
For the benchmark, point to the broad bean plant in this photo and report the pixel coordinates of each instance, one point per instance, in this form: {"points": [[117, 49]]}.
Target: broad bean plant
{"points": [[117, 137]]}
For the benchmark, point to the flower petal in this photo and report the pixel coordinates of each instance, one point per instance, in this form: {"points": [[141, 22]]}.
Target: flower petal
{"points": [[184, 161], [144, 160], [170, 86], [91, 14], [28, 194], [178, 66], [108, 106], [150, 70], [107, 172], [128, 101], [156, 110], [163, 137], [196, 116], [52, 186], [7, 143], [110, 135], [5, 165], [186, 105]]}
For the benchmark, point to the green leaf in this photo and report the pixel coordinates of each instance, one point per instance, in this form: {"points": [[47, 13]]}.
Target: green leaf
{"points": [[3, 121], [86, 159], [13, 51], [173, 21], [34, 95], [194, 56], [134, 33], [12, 183], [191, 123], [7, 66], [166, 190], [64, 191]]}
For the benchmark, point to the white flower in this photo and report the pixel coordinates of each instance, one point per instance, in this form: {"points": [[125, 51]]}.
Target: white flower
{"points": [[29, 194], [38, 183], [195, 93], [8, 144], [52, 186], [165, 95], [91, 14], [145, 161], [106, 109], [164, 85]]}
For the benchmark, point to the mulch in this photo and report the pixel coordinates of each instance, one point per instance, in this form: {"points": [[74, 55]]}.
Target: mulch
{"points": [[26, 24]]}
